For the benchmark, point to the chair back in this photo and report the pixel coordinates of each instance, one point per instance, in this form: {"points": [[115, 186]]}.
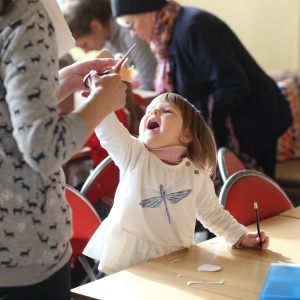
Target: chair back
{"points": [[228, 163], [85, 222], [245, 187], [97, 153], [85, 219], [140, 101], [102, 183]]}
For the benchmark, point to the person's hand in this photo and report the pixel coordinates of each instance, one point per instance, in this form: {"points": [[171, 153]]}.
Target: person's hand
{"points": [[109, 90], [251, 239], [107, 94], [71, 77], [81, 68]]}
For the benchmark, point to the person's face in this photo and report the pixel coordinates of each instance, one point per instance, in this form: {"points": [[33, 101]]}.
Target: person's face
{"points": [[95, 40], [140, 25], [162, 126]]}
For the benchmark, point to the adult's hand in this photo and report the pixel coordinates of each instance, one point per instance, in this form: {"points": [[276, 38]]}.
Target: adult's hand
{"points": [[71, 77], [109, 89]]}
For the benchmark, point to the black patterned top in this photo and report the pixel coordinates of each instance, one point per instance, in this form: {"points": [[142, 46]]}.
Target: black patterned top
{"points": [[35, 218]]}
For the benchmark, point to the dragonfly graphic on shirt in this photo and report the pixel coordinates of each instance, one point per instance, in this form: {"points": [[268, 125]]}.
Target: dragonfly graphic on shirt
{"points": [[164, 195]]}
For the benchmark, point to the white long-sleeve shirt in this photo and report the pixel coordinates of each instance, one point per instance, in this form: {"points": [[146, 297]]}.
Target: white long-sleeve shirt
{"points": [[155, 205]]}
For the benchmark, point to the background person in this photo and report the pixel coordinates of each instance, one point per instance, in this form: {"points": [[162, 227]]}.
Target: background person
{"points": [[200, 58], [94, 28]]}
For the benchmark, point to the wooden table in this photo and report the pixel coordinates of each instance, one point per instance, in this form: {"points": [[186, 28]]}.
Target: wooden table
{"points": [[243, 270], [293, 213]]}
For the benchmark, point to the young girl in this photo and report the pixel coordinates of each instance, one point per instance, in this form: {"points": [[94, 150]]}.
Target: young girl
{"points": [[164, 183]]}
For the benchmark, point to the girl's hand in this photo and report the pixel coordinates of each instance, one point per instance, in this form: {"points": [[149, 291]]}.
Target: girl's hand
{"points": [[107, 94], [251, 239], [109, 90]]}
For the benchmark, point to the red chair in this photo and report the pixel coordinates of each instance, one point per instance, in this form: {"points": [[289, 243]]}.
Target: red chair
{"points": [[228, 163], [140, 101], [245, 187], [85, 221], [102, 183]]}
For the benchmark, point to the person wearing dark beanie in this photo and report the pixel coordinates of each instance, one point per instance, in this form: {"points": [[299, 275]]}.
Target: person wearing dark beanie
{"points": [[200, 58], [125, 7]]}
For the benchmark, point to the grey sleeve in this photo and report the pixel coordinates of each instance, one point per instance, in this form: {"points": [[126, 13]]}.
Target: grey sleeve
{"points": [[30, 64]]}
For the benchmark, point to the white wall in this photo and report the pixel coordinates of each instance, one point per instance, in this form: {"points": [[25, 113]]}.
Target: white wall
{"points": [[270, 29]]}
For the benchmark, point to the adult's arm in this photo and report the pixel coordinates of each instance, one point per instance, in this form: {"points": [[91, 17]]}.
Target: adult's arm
{"points": [[45, 138]]}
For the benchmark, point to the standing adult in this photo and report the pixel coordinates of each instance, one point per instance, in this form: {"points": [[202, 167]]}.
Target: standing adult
{"points": [[200, 58], [94, 28], [35, 140]]}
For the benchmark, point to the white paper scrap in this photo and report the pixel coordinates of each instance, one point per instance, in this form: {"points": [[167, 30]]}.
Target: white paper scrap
{"points": [[194, 282], [215, 282], [208, 268]]}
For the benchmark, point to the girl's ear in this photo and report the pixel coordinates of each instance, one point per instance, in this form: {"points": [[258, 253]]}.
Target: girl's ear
{"points": [[186, 136]]}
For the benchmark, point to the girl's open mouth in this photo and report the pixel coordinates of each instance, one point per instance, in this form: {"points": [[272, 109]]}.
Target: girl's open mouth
{"points": [[152, 125]]}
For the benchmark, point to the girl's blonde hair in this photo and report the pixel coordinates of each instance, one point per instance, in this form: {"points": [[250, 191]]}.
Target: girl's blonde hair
{"points": [[202, 149]]}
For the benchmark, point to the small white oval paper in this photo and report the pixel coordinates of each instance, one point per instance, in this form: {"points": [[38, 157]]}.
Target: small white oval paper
{"points": [[208, 268]]}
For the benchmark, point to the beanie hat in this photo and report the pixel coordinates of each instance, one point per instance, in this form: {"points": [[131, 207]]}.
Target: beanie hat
{"points": [[130, 7]]}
